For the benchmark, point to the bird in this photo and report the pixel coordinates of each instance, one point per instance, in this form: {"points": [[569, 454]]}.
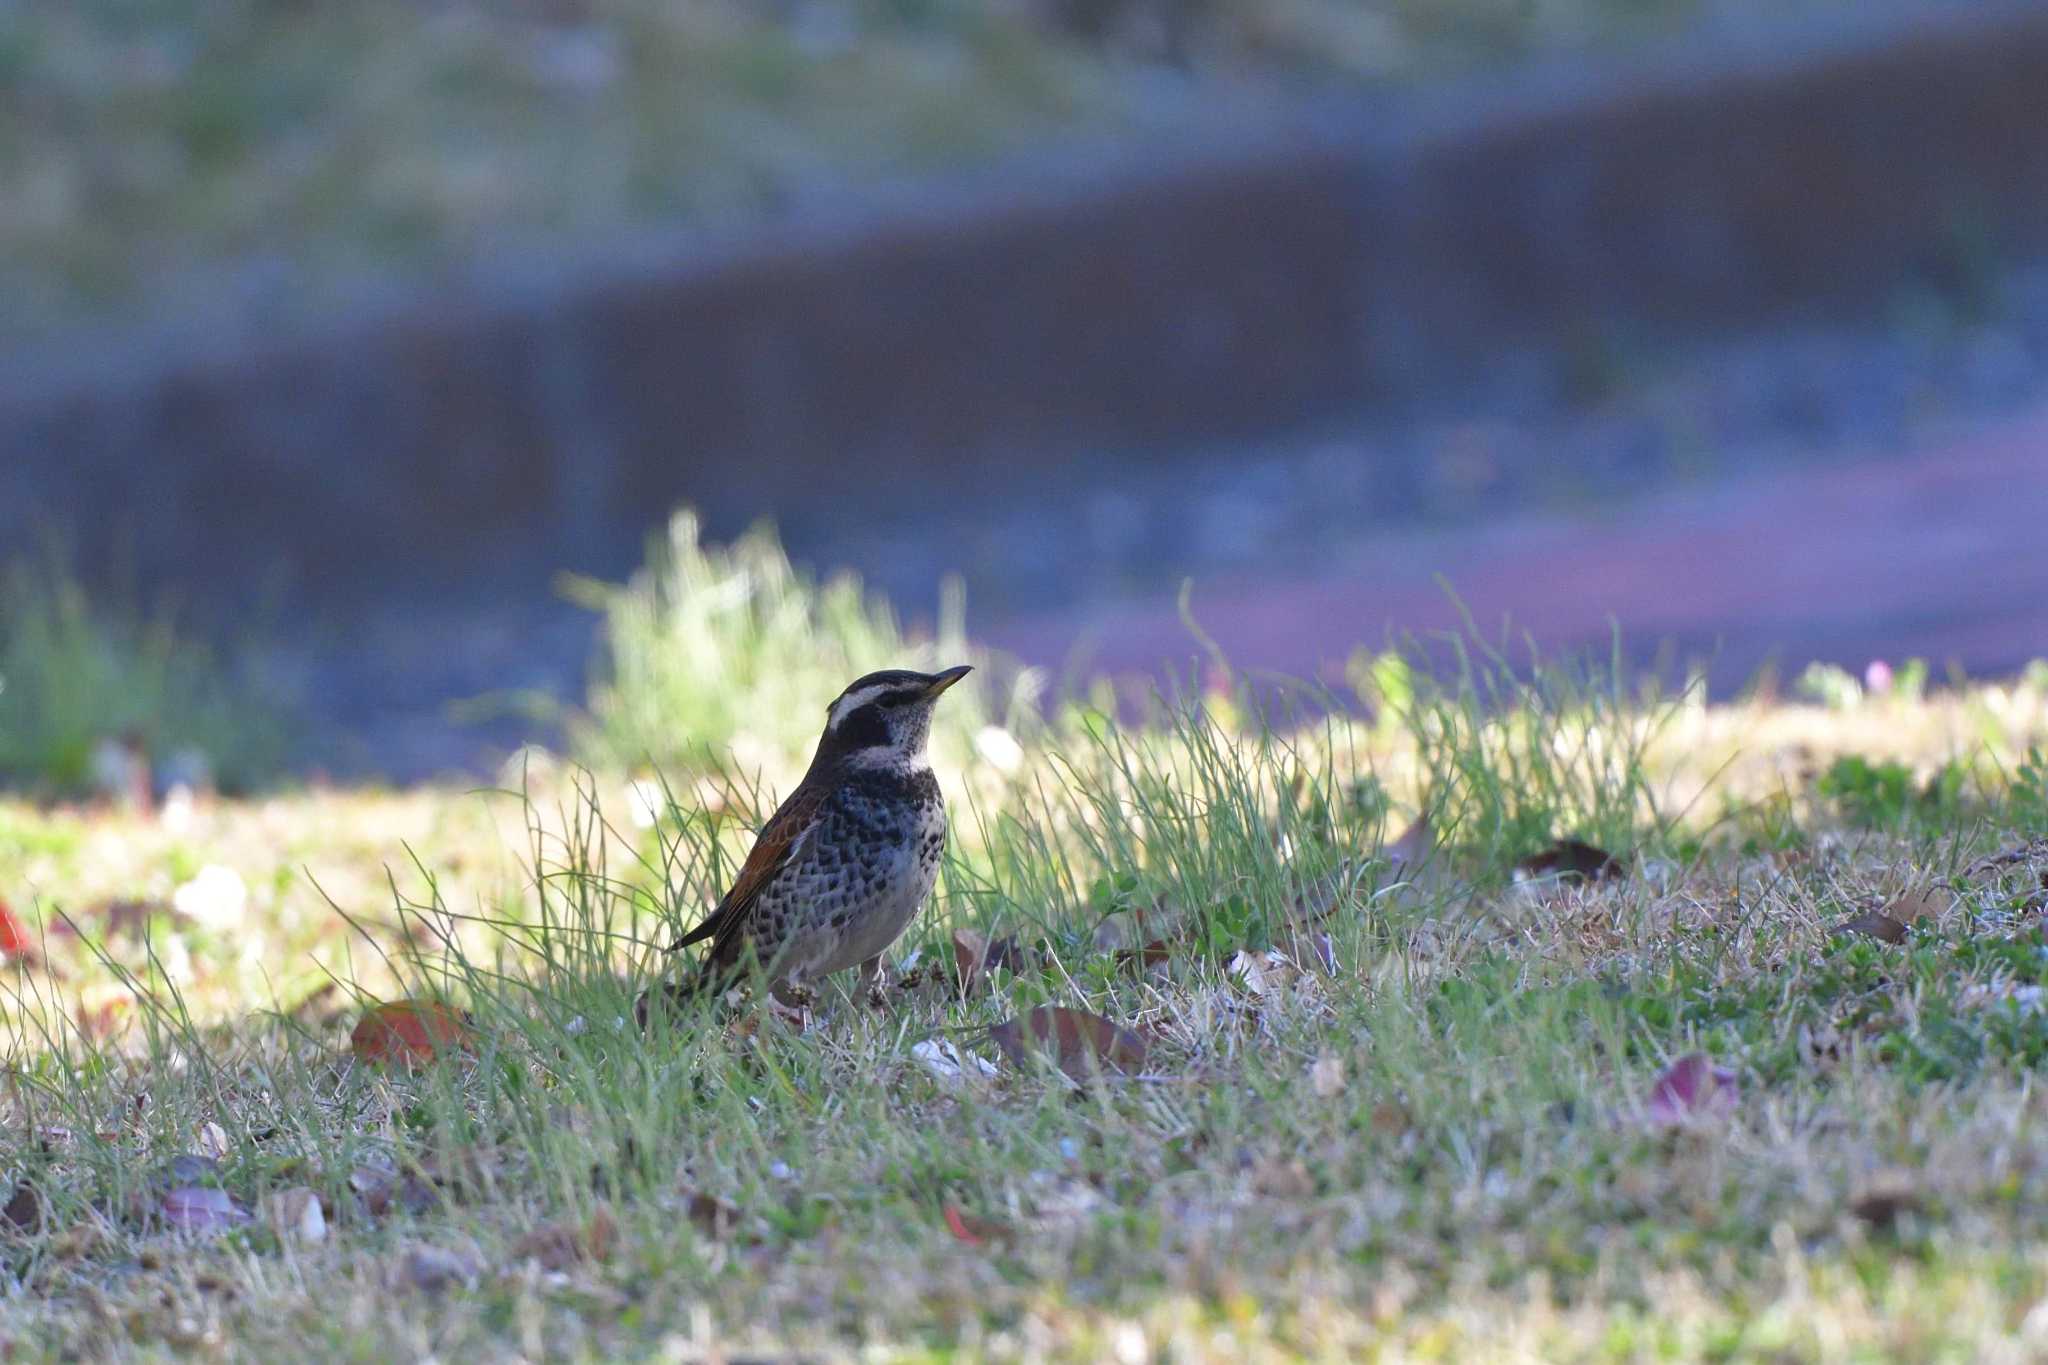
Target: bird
{"points": [[846, 862]]}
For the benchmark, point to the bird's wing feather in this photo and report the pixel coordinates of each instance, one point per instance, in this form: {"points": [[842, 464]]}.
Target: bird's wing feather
{"points": [[780, 840]]}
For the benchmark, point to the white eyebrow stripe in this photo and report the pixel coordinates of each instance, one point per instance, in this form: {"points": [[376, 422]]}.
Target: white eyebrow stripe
{"points": [[853, 701]]}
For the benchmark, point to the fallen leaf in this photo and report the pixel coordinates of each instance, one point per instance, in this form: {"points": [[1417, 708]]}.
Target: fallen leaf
{"points": [[213, 1140], [1888, 1195], [1924, 903], [409, 1032], [1277, 1179], [1877, 925], [975, 955], [1326, 1077], [1389, 1119], [1078, 1041], [713, 1216], [377, 1188], [557, 1246], [974, 1231], [1689, 1087], [433, 1269], [1569, 860], [14, 935], [201, 1209], [1153, 956], [25, 1207], [295, 1215]]}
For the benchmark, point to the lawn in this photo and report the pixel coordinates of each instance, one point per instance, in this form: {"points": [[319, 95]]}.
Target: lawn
{"points": [[263, 160], [1367, 1067]]}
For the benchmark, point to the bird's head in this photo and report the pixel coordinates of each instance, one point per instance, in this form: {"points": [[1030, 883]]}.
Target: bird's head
{"points": [[887, 713]]}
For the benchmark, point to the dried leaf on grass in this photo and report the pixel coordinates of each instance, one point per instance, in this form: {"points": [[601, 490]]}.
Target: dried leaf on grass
{"points": [[1078, 1042], [1877, 924], [1887, 1195], [714, 1217], [433, 1269], [15, 940], [1326, 1077], [974, 1231], [25, 1209], [1891, 924], [1569, 860], [557, 1246], [975, 955], [201, 1209], [409, 1033]]}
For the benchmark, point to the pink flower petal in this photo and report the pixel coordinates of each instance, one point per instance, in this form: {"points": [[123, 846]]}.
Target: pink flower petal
{"points": [[1690, 1086]]}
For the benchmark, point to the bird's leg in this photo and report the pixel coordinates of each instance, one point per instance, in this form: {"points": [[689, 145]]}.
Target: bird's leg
{"points": [[871, 978]]}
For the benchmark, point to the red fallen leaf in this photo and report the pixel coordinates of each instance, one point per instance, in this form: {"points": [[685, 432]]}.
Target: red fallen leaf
{"points": [[973, 1231], [1078, 1041], [409, 1032], [1690, 1086], [14, 936], [201, 1208], [1570, 860]]}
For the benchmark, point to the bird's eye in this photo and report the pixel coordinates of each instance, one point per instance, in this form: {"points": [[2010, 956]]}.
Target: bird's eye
{"points": [[896, 699]]}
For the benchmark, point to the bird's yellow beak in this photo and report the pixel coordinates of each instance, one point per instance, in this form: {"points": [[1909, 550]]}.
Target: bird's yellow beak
{"points": [[942, 681]]}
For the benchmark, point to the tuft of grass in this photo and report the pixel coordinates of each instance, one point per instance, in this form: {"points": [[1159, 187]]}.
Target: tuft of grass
{"points": [[77, 673], [724, 658]]}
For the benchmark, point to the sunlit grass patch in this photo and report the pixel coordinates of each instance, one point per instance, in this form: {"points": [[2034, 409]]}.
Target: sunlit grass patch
{"points": [[1393, 1091]]}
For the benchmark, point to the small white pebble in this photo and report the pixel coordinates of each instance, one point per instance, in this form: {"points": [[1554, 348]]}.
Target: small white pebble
{"points": [[780, 1171], [1070, 1149]]}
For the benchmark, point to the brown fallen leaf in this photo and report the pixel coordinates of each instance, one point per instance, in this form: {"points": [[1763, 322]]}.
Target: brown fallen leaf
{"points": [[1888, 1195], [1877, 924], [409, 1033], [25, 1209], [377, 1188], [1326, 1077], [975, 955], [1569, 860], [713, 1216], [1078, 1042], [557, 1246], [1927, 902]]}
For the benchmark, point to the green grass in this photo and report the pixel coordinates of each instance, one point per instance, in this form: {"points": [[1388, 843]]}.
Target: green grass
{"points": [[716, 657], [1437, 1150], [78, 673], [165, 156]]}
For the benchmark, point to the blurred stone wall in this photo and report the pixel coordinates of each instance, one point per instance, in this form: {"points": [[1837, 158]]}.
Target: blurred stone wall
{"points": [[483, 436]]}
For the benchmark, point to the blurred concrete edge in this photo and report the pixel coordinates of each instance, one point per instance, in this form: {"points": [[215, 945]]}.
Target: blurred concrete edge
{"points": [[480, 432]]}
